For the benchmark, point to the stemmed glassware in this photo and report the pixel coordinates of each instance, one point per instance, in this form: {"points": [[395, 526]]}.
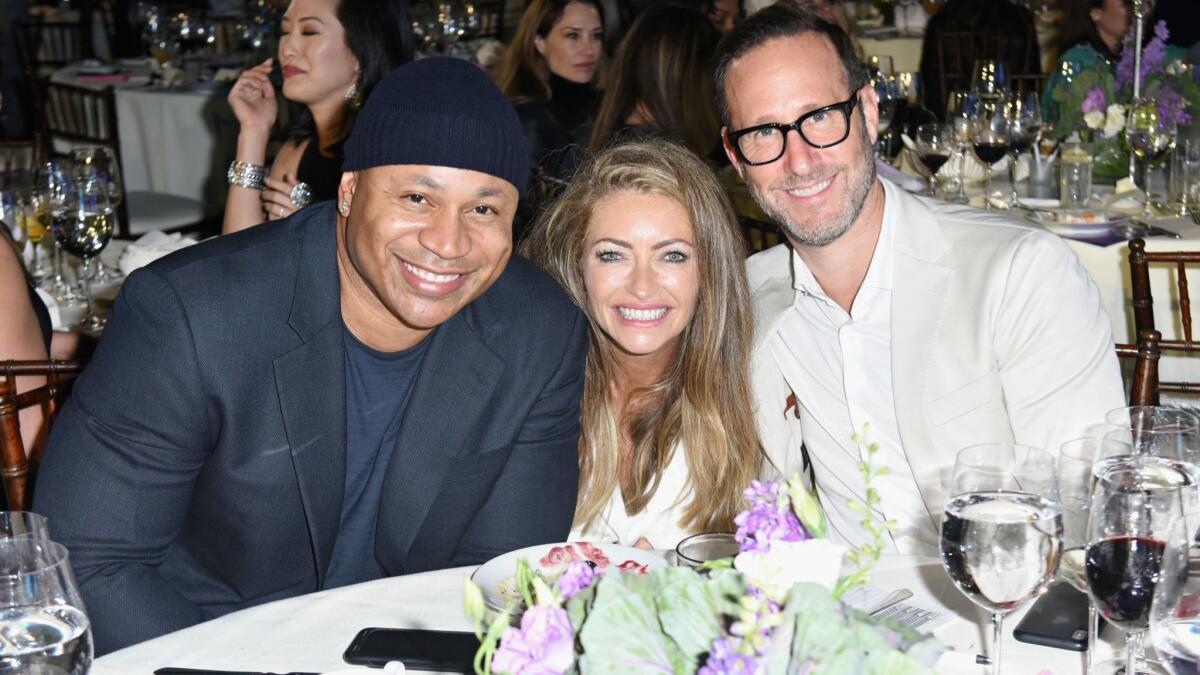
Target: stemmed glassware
{"points": [[34, 208], [54, 177], [1025, 125], [935, 145], [958, 116], [103, 162], [989, 80], [990, 138], [1002, 529], [1148, 135], [1135, 513], [889, 95], [83, 220], [46, 629], [1175, 611]]}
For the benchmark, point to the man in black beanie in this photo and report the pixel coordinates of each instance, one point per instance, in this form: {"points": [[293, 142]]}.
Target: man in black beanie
{"points": [[367, 388]]}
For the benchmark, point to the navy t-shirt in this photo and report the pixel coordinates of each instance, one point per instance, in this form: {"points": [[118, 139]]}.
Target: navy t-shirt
{"points": [[377, 388]]}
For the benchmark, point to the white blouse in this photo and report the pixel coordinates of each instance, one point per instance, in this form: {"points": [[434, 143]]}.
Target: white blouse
{"points": [[658, 522]]}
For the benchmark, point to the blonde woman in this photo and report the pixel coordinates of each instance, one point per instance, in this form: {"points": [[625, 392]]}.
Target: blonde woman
{"points": [[645, 241]]}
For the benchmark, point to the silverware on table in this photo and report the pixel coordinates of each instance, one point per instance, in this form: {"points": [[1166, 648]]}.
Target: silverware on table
{"points": [[1140, 228]]}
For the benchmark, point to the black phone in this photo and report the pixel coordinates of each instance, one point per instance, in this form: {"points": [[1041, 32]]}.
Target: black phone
{"points": [[1057, 619], [443, 651]]}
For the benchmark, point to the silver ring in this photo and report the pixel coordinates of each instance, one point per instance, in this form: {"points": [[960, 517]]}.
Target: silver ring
{"points": [[301, 195]]}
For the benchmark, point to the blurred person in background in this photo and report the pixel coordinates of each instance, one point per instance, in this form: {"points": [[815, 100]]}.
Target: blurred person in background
{"points": [[331, 55], [661, 82]]}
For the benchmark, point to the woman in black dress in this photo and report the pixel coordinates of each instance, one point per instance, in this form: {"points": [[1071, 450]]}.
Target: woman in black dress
{"points": [[331, 54]]}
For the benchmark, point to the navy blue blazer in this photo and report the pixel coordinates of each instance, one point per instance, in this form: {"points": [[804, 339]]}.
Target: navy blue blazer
{"points": [[199, 465]]}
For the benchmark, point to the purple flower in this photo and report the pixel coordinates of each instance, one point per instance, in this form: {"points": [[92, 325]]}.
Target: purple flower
{"points": [[1153, 56], [1095, 101], [769, 518], [1171, 106], [578, 576], [544, 645], [724, 659]]}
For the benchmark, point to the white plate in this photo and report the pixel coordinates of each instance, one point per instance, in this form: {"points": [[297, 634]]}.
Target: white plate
{"points": [[1082, 221], [1040, 204], [497, 577]]}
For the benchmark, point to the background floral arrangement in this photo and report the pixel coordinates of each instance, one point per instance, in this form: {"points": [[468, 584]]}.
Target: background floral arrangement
{"points": [[772, 609], [1095, 102]]}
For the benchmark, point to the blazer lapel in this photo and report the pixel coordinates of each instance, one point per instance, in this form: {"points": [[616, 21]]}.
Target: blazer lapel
{"points": [[449, 400], [310, 380], [920, 284]]}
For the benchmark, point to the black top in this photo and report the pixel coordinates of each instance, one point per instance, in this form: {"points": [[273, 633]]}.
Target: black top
{"points": [[43, 316], [321, 173], [553, 125]]}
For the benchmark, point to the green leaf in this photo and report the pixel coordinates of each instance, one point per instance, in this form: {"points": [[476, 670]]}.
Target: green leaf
{"points": [[622, 633]]}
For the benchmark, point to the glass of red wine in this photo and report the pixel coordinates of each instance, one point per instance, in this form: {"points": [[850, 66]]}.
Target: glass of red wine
{"points": [[935, 146], [1175, 612], [1002, 529], [1136, 514], [1025, 126], [990, 139]]}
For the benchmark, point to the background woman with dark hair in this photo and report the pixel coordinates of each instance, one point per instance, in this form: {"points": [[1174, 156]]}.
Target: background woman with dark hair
{"points": [[331, 55], [661, 81], [549, 72], [1091, 33]]}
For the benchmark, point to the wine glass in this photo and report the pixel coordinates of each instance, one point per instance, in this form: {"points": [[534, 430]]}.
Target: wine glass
{"points": [[103, 161], [34, 216], [1135, 513], [54, 177], [1156, 430], [1002, 529], [881, 65], [989, 79], [990, 138], [935, 144], [1025, 124], [888, 95], [1148, 135], [1076, 462], [1175, 611], [46, 627], [958, 116], [84, 223]]}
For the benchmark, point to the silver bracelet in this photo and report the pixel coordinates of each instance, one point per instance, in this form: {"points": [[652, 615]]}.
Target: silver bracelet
{"points": [[247, 175]]}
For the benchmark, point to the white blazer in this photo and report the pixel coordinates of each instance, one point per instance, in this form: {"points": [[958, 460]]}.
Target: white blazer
{"points": [[998, 334]]}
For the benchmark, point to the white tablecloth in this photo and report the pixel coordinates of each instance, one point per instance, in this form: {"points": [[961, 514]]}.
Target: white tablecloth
{"points": [[175, 141], [309, 633]]}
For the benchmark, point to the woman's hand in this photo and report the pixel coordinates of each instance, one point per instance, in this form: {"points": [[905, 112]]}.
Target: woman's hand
{"points": [[277, 197], [253, 98]]}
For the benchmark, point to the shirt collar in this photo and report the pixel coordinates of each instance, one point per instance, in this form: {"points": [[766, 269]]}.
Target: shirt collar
{"points": [[879, 273]]}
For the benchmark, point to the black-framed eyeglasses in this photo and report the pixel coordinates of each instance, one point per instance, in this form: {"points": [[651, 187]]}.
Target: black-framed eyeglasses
{"points": [[820, 128]]}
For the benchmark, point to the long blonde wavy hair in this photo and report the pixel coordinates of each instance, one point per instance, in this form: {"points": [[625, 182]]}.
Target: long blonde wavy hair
{"points": [[702, 400]]}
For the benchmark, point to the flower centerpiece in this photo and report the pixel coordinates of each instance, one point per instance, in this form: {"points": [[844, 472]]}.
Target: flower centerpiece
{"points": [[774, 608], [1095, 102]]}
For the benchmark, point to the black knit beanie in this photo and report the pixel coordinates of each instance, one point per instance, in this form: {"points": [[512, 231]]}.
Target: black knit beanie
{"points": [[440, 112]]}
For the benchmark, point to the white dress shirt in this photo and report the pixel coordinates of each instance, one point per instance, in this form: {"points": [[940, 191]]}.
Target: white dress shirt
{"points": [[839, 365]]}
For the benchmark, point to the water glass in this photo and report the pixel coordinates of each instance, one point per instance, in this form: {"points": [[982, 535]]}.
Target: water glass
{"points": [[23, 524], [1075, 175], [1175, 611], [1002, 529], [1183, 181], [42, 617], [698, 549]]}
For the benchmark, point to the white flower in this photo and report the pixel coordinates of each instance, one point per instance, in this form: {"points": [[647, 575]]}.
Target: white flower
{"points": [[1114, 122], [1094, 119], [788, 563]]}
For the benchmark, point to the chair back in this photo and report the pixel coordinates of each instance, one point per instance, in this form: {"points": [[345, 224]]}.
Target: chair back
{"points": [[16, 466], [80, 115], [1143, 303], [759, 235], [44, 46], [957, 52], [1144, 387]]}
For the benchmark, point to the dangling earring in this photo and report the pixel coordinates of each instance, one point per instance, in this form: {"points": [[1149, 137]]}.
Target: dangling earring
{"points": [[353, 100], [344, 208]]}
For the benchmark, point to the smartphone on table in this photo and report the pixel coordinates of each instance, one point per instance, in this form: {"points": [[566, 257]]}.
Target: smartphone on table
{"points": [[1057, 619], [442, 651]]}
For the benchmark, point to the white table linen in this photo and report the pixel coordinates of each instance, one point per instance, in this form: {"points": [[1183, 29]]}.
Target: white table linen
{"points": [[310, 632]]}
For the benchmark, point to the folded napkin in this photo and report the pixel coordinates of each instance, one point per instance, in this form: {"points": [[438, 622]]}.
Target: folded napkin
{"points": [[1126, 196], [905, 181], [971, 171], [151, 247]]}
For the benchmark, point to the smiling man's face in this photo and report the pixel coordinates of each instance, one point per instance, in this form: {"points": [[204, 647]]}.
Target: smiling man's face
{"points": [[814, 194], [419, 243]]}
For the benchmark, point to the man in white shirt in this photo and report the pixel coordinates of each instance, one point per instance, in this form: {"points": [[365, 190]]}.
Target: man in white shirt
{"points": [[937, 325]]}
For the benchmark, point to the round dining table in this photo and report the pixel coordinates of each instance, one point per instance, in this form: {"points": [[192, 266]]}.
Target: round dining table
{"points": [[309, 633]]}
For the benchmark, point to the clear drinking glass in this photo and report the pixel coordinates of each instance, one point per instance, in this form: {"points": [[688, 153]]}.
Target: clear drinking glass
{"points": [[1156, 430], [701, 548], [991, 137], [1136, 512], [1175, 611], [1076, 460], [34, 208], [1075, 175], [1148, 135], [23, 524], [935, 145], [1183, 180], [1025, 126], [83, 221], [989, 80], [1002, 529], [958, 116], [888, 95], [42, 617], [103, 161]]}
